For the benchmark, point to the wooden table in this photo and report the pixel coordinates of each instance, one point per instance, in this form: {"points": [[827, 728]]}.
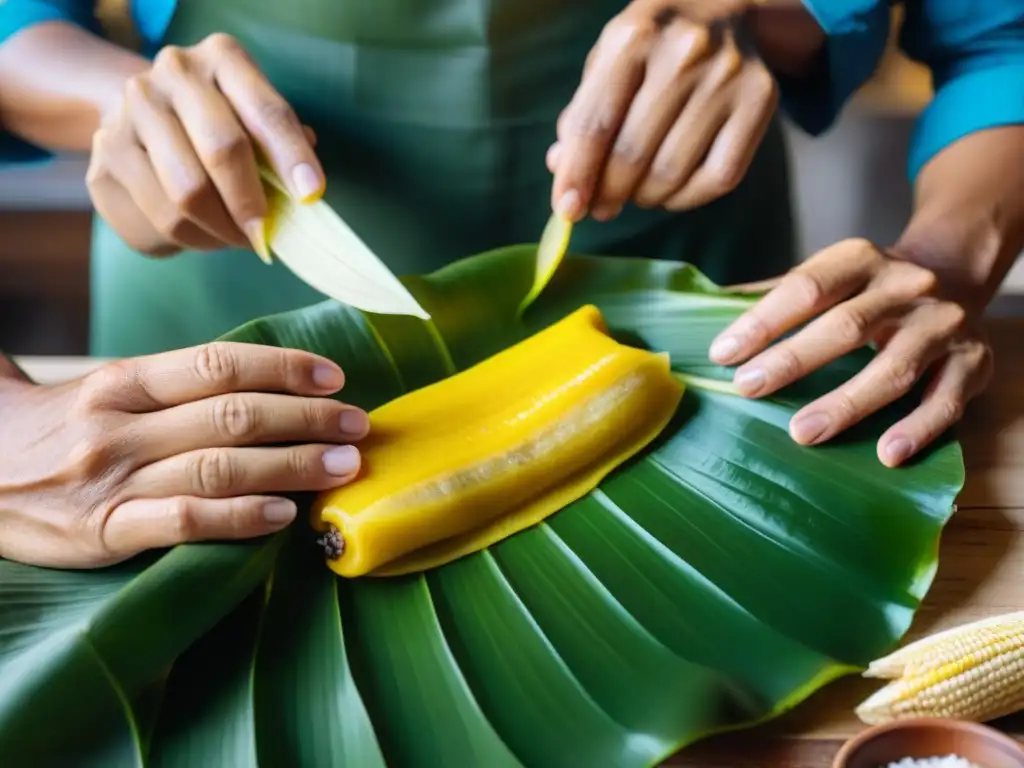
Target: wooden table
{"points": [[981, 571]]}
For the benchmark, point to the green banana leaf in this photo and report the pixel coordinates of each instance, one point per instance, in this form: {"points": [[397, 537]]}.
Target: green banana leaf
{"points": [[711, 583]]}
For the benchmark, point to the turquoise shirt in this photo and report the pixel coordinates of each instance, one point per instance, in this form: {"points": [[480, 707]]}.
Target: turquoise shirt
{"points": [[974, 48]]}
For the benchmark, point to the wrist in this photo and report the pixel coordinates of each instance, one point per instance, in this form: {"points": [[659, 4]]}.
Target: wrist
{"points": [[968, 226], [968, 251], [58, 102], [107, 96]]}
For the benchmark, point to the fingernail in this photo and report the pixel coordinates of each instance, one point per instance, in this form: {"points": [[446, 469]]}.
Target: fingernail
{"points": [[807, 429], [279, 512], [327, 376], [257, 234], [723, 349], [749, 381], [897, 450], [354, 422], [569, 205], [307, 182], [607, 213], [341, 460]]}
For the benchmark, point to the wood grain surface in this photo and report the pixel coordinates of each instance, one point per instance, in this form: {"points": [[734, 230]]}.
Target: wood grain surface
{"points": [[981, 570]]}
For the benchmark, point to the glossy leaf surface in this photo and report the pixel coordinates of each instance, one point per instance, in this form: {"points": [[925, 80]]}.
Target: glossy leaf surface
{"points": [[712, 582]]}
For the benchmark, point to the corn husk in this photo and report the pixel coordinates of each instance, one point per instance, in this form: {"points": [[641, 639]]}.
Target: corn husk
{"points": [[315, 243], [554, 242]]}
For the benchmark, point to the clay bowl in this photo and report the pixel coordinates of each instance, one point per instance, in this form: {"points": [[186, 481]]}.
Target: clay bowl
{"points": [[930, 737]]}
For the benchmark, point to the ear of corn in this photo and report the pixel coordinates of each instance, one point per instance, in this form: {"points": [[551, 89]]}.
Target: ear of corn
{"points": [[972, 672], [912, 658], [461, 464]]}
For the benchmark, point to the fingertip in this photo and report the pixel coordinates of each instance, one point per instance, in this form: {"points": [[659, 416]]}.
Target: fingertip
{"points": [[724, 349], [354, 423], [327, 375], [569, 205], [796, 436], [255, 231], [810, 427], [279, 512], [342, 461], [894, 451], [307, 183], [750, 381]]}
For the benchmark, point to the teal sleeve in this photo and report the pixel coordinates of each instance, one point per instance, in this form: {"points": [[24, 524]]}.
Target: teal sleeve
{"points": [[857, 32], [16, 15], [975, 49]]}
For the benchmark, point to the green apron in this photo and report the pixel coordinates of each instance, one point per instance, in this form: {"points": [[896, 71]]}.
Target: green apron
{"points": [[432, 118]]}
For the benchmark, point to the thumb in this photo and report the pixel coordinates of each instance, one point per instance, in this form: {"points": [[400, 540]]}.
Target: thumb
{"points": [[142, 524]]}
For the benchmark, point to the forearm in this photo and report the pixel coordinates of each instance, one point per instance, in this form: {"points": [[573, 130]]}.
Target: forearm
{"points": [[57, 81], [968, 221]]}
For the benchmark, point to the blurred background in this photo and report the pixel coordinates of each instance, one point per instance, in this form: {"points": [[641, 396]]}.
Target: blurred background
{"points": [[850, 182]]}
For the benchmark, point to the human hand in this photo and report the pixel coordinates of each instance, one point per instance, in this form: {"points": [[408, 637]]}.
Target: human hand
{"points": [[155, 451], [175, 167], [862, 295], [670, 111]]}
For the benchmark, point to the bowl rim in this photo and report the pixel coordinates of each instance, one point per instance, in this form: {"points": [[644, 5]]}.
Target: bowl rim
{"points": [[964, 726]]}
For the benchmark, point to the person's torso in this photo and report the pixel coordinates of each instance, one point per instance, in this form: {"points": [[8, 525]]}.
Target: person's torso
{"points": [[432, 114], [432, 119]]}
